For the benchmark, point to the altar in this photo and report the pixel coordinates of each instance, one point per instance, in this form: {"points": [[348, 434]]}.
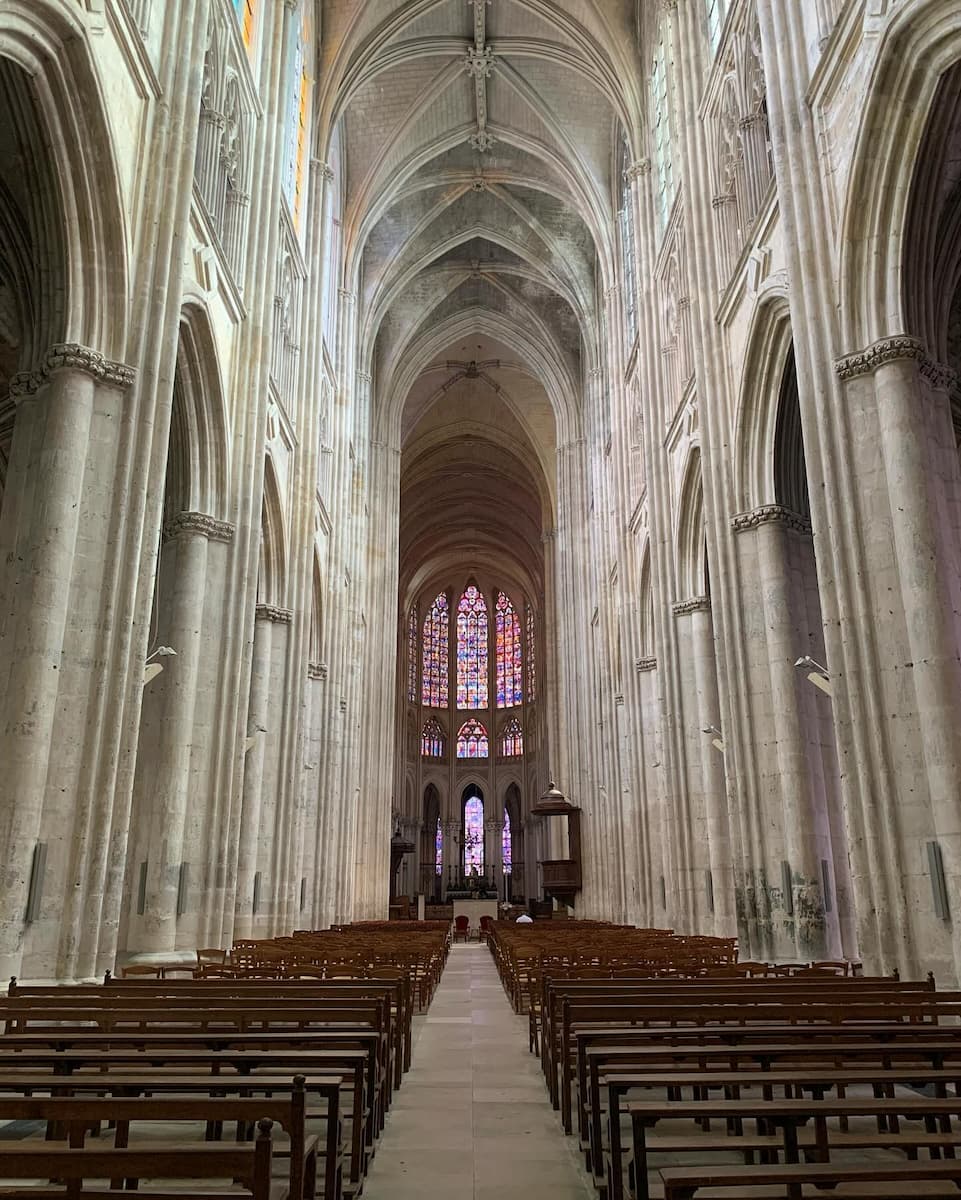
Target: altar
{"points": [[474, 910]]}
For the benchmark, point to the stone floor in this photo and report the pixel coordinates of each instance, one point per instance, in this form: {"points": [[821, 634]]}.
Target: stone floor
{"points": [[472, 1118]]}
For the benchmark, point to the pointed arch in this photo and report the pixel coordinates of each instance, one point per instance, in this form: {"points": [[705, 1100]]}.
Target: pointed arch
{"points": [[435, 651], [509, 651], [472, 649], [689, 537], [272, 584], [473, 740]]}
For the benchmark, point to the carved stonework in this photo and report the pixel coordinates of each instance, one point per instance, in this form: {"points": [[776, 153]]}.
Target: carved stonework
{"points": [[941, 377], [269, 612], [887, 350], [317, 671], [645, 664], [694, 605], [68, 356], [770, 514], [201, 525], [638, 170]]}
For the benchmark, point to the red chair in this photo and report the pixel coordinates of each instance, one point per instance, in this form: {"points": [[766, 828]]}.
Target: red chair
{"points": [[462, 928], [486, 927]]}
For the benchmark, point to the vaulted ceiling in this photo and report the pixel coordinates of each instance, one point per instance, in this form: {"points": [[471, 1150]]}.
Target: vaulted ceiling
{"points": [[479, 141]]}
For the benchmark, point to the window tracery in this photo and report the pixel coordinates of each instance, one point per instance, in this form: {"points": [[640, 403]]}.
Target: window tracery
{"points": [[509, 653], [666, 186], [512, 739], [531, 659], [472, 740], [434, 693], [432, 740], [412, 627], [472, 637], [474, 835]]}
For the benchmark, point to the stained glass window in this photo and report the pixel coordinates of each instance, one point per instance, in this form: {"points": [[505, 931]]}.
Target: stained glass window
{"points": [[432, 739], [436, 625], [439, 850], [507, 849], [509, 653], [716, 10], [297, 117], [531, 672], [472, 650], [246, 11], [412, 624], [512, 740], [474, 835], [663, 117], [472, 740]]}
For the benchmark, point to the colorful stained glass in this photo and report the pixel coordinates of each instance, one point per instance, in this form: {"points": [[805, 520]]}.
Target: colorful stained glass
{"points": [[412, 626], [432, 739], [439, 850], [246, 11], [472, 740], [472, 649], [531, 673], [507, 849], [512, 740], [509, 653], [436, 642], [297, 116], [474, 835]]}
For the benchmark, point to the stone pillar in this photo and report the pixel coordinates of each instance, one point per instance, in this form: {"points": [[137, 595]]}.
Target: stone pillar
{"points": [[257, 721], [45, 483]]}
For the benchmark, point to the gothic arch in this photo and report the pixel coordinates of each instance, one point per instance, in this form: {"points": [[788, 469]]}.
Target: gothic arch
{"points": [[689, 535], [272, 587], [919, 44], [768, 346], [45, 54], [198, 471], [316, 613], [648, 644]]}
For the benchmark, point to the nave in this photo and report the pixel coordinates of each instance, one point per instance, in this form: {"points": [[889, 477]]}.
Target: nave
{"points": [[473, 1118]]}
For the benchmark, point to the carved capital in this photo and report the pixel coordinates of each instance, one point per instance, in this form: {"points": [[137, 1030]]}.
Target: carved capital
{"points": [[346, 295], [770, 514], [939, 375], [269, 612], [695, 604], [69, 356], [638, 169], [886, 350], [199, 524], [645, 664], [317, 670]]}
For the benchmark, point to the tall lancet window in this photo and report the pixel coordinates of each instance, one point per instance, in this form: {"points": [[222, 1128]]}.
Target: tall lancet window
{"points": [[531, 670], [474, 835], [665, 184], [472, 740], [436, 646], [716, 10], [472, 649], [297, 116], [507, 847], [510, 679], [412, 626]]}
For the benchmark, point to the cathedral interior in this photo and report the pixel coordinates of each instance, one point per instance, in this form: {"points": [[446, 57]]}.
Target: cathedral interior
{"points": [[524, 432]]}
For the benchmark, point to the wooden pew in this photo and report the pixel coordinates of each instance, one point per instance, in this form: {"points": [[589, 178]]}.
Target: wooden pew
{"points": [[247, 1164]]}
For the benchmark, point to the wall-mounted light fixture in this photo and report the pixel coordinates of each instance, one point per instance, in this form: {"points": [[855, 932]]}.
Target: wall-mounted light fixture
{"points": [[152, 670], [818, 675], [717, 739]]}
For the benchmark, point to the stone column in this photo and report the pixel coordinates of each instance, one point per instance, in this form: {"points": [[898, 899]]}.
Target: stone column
{"points": [[257, 721], [164, 770], [44, 486]]}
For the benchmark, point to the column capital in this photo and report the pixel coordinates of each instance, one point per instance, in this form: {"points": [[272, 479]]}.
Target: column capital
{"points": [[270, 612], [70, 356], [198, 524], [682, 608], [645, 664], [638, 169], [316, 670], [770, 514], [889, 349]]}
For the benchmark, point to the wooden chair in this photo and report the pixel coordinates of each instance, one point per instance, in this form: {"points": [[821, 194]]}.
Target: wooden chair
{"points": [[462, 928]]}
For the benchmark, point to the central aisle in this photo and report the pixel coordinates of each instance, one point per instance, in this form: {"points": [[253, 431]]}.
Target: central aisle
{"points": [[473, 1118]]}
